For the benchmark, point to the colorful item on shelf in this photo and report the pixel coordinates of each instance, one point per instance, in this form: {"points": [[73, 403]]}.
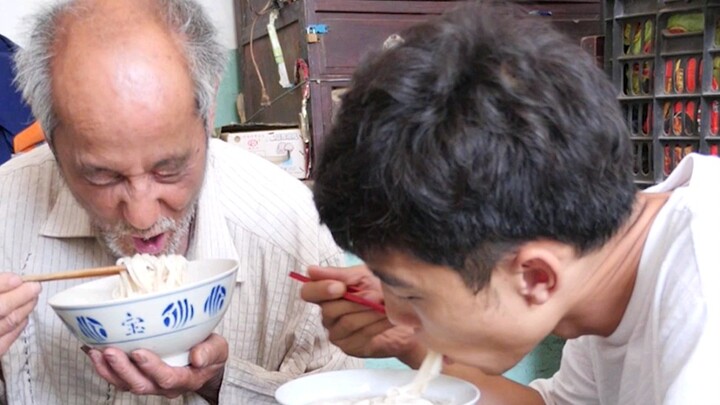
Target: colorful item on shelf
{"points": [[677, 122], [647, 47], [679, 77], [638, 37], [689, 120], [691, 75], [668, 76], [637, 40], [632, 75], [647, 122], [686, 23], [677, 155], [646, 79], [627, 34]]}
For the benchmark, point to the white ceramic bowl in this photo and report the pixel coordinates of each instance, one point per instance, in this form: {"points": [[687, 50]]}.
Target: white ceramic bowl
{"points": [[168, 323], [367, 383]]}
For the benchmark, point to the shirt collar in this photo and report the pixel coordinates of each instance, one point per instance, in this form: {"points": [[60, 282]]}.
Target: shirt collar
{"points": [[211, 238], [67, 219]]}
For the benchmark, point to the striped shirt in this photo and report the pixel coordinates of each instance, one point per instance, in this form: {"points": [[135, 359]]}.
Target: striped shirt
{"points": [[249, 210]]}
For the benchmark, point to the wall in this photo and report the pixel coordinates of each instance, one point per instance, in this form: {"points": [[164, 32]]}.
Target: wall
{"points": [[14, 16]]}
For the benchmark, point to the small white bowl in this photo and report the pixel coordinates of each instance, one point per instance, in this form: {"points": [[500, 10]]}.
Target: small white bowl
{"points": [[367, 383], [168, 323]]}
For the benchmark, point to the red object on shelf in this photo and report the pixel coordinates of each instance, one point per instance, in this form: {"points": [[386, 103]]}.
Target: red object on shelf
{"points": [[647, 123], [691, 75]]}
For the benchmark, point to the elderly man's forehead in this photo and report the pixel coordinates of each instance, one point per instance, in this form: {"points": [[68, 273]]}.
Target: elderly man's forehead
{"points": [[95, 12], [124, 47], [107, 21]]}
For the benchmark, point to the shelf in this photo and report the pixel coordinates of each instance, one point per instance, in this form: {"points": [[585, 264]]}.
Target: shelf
{"points": [[694, 52], [644, 56], [635, 98], [678, 96], [681, 138], [650, 149], [632, 16], [673, 10]]}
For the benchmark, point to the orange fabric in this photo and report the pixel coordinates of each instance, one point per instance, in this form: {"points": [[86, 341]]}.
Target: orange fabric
{"points": [[28, 138]]}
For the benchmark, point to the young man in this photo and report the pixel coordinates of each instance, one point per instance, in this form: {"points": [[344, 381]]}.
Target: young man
{"points": [[482, 170], [125, 92]]}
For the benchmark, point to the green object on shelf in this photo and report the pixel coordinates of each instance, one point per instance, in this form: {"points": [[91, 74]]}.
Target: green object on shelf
{"points": [[684, 23]]}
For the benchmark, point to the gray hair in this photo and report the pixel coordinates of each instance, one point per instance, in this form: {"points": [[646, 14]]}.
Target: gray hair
{"points": [[185, 18]]}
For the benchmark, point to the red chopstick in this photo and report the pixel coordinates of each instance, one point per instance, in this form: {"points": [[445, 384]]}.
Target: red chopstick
{"points": [[348, 296]]}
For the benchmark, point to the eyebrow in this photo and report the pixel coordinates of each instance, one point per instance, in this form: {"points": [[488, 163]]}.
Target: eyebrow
{"points": [[171, 163], [390, 280], [90, 170]]}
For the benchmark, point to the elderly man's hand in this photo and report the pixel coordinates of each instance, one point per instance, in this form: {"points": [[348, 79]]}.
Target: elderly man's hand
{"points": [[356, 329], [144, 373], [17, 300]]}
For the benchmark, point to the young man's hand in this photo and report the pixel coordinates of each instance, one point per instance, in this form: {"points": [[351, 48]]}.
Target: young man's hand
{"points": [[357, 330]]}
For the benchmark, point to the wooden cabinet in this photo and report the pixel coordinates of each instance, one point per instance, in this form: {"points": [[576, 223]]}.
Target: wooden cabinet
{"points": [[354, 27]]}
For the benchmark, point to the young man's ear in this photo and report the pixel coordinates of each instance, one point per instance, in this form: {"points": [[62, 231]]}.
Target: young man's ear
{"points": [[536, 268]]}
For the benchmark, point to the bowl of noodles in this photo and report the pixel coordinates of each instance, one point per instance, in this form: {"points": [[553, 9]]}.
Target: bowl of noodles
{"points": [[425, 386], [164, 304]]}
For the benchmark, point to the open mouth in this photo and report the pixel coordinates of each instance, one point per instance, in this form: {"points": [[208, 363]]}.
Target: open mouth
{"points": [[152, 245]]}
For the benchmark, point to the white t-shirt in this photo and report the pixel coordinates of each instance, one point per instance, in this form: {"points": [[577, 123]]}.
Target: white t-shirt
{"points": [[666, 349]]}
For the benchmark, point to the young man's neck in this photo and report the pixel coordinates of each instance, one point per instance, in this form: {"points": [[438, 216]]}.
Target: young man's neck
{"points": [[605, 278]]}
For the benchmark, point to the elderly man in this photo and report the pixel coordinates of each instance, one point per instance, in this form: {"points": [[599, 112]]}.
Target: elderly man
{"points": [[125, 91]]}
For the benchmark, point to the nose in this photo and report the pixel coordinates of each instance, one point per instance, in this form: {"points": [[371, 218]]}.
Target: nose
{"points": [[142, 204], [401, 313]]}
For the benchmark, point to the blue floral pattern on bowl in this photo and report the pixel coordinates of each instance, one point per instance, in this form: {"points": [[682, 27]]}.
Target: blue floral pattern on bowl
{"points": [[215, 301], [178, 313], [91, 328]]}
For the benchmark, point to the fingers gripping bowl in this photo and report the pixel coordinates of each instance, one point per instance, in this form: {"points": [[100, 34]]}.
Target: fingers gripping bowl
{"points": [[168, 322]]}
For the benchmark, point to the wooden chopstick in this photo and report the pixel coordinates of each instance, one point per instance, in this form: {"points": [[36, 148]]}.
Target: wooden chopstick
{"points": [[348, 295], [64, 275]]}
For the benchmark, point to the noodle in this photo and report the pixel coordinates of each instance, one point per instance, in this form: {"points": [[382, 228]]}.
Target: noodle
{"points": [[147, 273]]}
